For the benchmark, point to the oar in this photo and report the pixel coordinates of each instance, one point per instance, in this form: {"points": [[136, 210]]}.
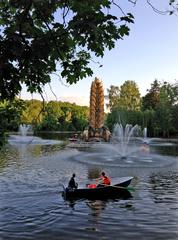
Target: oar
{"points": [[63, 192], [62, 185], [120, 187], [126, 188]]}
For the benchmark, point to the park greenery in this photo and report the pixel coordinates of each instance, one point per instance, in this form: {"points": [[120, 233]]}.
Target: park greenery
{"points": [[39, 38], [157, 110]]}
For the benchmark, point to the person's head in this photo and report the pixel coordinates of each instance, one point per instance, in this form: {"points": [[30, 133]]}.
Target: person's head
{"points": [[103, 174], [73, 175]]}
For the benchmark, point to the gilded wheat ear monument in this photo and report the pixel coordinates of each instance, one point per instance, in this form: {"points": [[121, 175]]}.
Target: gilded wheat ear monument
{"points": [[96, 130]]}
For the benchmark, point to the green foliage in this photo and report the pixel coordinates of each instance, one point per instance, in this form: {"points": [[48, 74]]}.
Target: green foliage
{"points": [[3, 126], [35, 35], [63, 116], [158, 113], [163, 113], [148, 118], [174, 120], [11, 114], [171, 91], [49, 123], [33, 112], [126, 97], [123, 116], [161, 99], [151, 99], [130, 96], [113, 96], [49, 116]]}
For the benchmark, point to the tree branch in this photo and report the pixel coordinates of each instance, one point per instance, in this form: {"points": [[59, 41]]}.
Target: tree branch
{"points": [[47, 25], [157, 10], [118, 7]]}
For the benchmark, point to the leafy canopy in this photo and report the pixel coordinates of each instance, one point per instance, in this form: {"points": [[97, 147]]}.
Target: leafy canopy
{"points": [[127, 96], [37, 35]]}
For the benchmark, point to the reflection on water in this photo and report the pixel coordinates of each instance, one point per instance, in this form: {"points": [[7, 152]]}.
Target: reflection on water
{"points": [[31, 205]]}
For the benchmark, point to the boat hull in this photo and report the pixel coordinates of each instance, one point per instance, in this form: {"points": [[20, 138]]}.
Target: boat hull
{"points": [[107, 192]]}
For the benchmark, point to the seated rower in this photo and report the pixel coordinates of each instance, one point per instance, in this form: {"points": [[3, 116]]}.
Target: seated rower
{"points": [[72, 184], [105, 180]]}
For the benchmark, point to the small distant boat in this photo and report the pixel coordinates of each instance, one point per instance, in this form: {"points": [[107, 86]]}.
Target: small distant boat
{"points": [[73, 139], [119, 190]]}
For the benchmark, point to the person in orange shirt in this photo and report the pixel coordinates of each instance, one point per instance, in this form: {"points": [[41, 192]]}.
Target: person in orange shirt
{"points": [[105, 180]]}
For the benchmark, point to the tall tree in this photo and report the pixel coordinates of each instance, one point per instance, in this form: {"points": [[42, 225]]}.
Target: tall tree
{"points": [[175, 119], [172, 92], [151, 99], [130, 96], [163, 113], [113, 97]]}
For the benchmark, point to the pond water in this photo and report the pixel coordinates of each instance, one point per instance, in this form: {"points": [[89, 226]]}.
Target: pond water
{"points": [[31, 205]]}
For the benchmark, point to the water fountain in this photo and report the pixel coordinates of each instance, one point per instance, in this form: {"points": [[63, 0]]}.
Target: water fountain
{"points": [[122, 137], [127, 149], [25, 136], [23, 129], [145, 133], [30, 199]]}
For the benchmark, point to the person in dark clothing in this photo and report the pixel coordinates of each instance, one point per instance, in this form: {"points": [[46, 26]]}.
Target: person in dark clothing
{"points": [[72, 184]]}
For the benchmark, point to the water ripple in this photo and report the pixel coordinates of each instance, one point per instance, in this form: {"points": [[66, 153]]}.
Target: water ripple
{"points": [[31, 206]]}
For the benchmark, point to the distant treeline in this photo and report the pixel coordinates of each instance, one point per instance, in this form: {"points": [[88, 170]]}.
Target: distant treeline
{"points": [[157, 110], [53, 115]]}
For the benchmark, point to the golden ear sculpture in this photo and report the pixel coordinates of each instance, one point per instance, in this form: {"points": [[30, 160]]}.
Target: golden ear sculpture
{"points": [[96, 118], [96, 130]]}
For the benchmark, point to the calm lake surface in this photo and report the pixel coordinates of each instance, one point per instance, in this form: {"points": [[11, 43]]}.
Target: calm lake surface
{"points": [[31, 206]]}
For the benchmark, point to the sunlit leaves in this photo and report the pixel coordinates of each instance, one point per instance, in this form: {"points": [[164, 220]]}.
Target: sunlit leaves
{"points": [[36, 35]]}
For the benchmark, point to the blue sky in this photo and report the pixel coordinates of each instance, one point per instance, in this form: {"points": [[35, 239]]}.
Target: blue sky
{"points": [[149, 52]]}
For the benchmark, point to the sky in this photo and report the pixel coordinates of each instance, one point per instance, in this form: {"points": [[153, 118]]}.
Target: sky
{"points": [[149, 52]]}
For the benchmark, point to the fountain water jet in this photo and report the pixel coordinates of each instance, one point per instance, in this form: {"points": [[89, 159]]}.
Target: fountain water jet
{"points": [[25, 136], [126, 150], [145, 133], [122, 137], [23, 129]]}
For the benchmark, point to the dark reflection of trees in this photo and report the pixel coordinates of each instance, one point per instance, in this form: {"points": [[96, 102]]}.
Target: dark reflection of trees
{"points": [[56, 135], [164, 186], [8, 155], [97, 206], [168, 150], [3, 159], [38, 150], [51, 148]]}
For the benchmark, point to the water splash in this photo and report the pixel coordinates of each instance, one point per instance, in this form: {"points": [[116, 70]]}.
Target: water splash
{"points": [[145, 133], [25, 136], [23, 129], [123, 136]]}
